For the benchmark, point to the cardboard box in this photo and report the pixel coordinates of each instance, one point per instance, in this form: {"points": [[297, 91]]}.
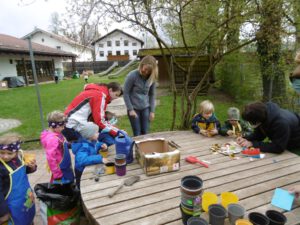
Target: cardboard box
{"points": [[157, 156]]}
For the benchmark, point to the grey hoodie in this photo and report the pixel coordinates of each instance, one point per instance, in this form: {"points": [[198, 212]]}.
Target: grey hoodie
{"points": [[138, 94]]}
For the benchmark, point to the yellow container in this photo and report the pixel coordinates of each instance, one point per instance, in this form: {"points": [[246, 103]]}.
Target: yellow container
{"points": [[208, 198], [243, 222], [103, 153], [228, 198], [28, 157], [109, 168]]}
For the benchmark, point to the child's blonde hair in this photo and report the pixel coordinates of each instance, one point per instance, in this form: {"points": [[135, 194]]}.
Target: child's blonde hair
{"points": [[150, 62], [206, 106], [10, 138], [56, 116]]}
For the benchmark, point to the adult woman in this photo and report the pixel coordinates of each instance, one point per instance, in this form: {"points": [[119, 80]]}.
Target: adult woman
{"points": [[270, 121], [91, 104], [139, 95]]}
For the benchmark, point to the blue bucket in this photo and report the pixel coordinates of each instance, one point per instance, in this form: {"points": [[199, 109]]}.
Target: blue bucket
{"points": [[124, 145]]}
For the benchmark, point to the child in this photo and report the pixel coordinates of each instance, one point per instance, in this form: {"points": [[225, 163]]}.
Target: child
{"points": [[295, 190], [205, 122], [85, 149], [234, 126], [85, 76], [57, 152], [16, 196], [104, 136]]}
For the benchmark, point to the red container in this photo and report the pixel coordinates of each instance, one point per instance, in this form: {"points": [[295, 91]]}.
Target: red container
{"points": [[251, 151]]}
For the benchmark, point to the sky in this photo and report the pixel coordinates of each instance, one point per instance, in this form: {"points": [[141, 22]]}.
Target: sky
{"points": [[20, 17], [17, 19]]}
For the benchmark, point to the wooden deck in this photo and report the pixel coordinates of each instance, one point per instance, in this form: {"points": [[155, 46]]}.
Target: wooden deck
{"points": [[155, 199]]}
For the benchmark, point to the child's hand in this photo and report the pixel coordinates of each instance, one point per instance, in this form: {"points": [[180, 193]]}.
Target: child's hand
{"points": [[103, 147], [203, 132], [105, 160], [295, 190], [230, 133], [213, 132], [244, 142], [4, 218], [31, 164]]}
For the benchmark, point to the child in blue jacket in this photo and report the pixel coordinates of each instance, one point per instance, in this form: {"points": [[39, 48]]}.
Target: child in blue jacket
{"points": [[86, 149], [205, 122]]}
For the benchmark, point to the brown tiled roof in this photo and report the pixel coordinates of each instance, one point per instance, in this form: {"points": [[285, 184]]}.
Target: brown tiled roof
{"points": [[10, 44]]}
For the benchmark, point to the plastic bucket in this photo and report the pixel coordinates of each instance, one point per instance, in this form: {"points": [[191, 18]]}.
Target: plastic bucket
{"points": [[276, 218], [258, 219], [196, 221], [243, 222], [192, 202]]}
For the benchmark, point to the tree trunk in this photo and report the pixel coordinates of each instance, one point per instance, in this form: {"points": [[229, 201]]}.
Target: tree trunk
{"points": [[269, 51]]}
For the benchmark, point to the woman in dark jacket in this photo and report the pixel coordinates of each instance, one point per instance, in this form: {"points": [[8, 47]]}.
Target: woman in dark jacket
{"points": [[268, 120]]}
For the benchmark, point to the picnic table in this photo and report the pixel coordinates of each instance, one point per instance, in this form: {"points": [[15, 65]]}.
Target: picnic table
{"points": [[155, 199]]}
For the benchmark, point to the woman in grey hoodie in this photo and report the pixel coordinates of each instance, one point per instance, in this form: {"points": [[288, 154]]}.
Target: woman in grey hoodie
{"points": [[139, 95]]}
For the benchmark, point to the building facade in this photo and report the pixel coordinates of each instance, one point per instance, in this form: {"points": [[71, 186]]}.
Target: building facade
{"points": [[117, 46], [15, 59], [59, 42]]}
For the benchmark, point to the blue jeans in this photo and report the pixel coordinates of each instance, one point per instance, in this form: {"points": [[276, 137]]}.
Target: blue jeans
{"points": [[141, 124]]}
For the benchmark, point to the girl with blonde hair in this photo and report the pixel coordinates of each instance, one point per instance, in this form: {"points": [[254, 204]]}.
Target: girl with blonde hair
{"points": [[139, 95]]}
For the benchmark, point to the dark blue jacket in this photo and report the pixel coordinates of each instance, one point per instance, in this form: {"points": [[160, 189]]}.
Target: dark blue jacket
{"points": [[199, 122], [282, 127], [86, 153]]}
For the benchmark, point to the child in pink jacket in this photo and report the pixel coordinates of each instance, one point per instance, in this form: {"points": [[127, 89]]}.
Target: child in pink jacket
{"points": [[53, 142]]}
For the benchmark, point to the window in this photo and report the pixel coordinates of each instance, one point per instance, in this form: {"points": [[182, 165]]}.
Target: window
{"points": [[101, 45], [134, 52], [108, 43], [126, 52], [58, 47], [101, 53], [109, 53], [117, 43], [134, 44], [118, 52], [125, 42]]}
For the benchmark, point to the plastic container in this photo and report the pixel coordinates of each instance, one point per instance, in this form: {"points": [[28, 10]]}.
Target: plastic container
{"points": [[109, 168], [217, 214], [121, 169], [124, 145], [243, 222], [120, 159], [196, 221], [208, 198], [235, 212], [191, 185], [258, 219], [228, 198], [103, 153], [276, 218], [193, 202]]}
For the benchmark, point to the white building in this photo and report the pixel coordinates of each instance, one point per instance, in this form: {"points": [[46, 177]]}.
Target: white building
{"points": [[15, 59], [62, 43], [117, 45]]}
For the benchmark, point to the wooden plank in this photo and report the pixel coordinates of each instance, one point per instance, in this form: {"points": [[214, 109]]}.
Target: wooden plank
{"points": [[208, 184]]}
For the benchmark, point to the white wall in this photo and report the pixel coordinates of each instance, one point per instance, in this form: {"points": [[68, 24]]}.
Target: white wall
{"points": [[116, 36], [7, 69], [84, 54]]}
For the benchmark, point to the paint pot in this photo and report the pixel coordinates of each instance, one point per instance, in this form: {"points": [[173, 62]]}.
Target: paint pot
{"points": [[243, 222], [184, 216], [258, 219], [217, 214], [120, 159], [103, 153], [192, 202], [196, 221], [235, 212], [191, 185], [109, 168], [189, 211], [276, 218], [121, 169]]}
